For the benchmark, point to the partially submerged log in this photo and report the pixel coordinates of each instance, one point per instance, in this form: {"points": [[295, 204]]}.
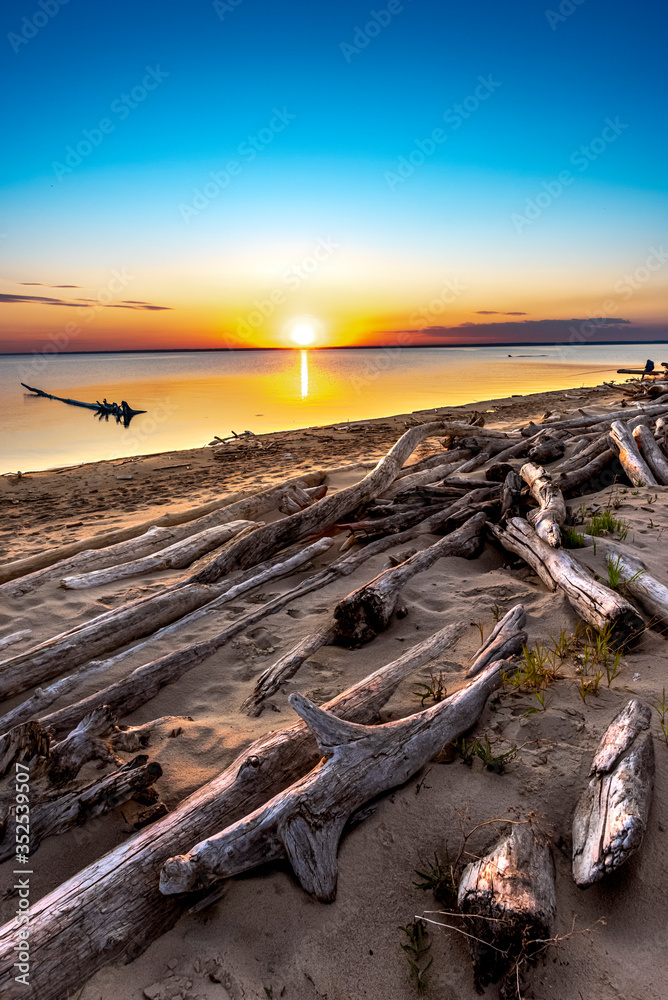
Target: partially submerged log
{"points": [[505, 641], [652, 454], [174, 556], [611, 815], [368, 610], [594, 602], [632, 461], [511, 895], [551, 514], [124, 412], [79, 919], [304, 823]]}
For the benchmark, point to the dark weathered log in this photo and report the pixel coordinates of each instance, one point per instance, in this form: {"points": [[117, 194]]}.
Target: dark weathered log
{"points": [[510, 497], [505, 640], [51, 557], [511, 895], [368, 610], [594, 602], [611, 816], [434, 474], [632, 461], [440, 458], [589, 420], [578, 477], [652, 454], [21, 744], [548, 450], [582, 456], [547, 520], [104, 408], [497, 473], [303, 824], [89, 741], [85, 909], [51, 817]]}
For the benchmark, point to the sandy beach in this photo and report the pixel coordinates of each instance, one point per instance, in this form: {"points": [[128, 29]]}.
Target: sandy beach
{"points": [[264, 936]]}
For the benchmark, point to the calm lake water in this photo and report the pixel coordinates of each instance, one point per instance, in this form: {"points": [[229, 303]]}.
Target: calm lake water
{"points": [[192, 396]]}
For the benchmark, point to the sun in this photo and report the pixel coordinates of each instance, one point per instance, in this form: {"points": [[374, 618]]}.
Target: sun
{"points": [[303, 334]]}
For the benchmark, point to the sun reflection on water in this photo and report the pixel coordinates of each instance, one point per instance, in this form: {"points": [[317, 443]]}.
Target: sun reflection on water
{"points": [[304, 355]]}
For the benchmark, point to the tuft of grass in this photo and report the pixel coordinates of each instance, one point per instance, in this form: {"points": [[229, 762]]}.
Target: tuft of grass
{"points": [[435, 689], [439, 877], [416, 951], [574, 539], [603, 523], [589, 685], [496, 612], [483, 750], [537, 671], [616, 579]]}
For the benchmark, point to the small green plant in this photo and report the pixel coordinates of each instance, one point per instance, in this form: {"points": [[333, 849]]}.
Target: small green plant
{"points": [[589, 685], [616, 579], [493, 762], [435, 689], [496, 612], [603, 523], [439, 877], [540, 697], [653, 499], [416, 951], [574, 539], [564, 645], [661, 709], [537, 670]]}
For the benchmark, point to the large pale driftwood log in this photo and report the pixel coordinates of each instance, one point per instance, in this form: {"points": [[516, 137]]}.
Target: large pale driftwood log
{"points": [[611, 816], [632, 461], [594, 602], [143, 683], [590, 420], [367, 611], [271, 679], [53, 816], [304, 823], [511, 896], [551, 514], [80, 918], [174, 556], [141, 617], [650, 593], [567, 481], [652, 454], [29, 564], [506, 640]]}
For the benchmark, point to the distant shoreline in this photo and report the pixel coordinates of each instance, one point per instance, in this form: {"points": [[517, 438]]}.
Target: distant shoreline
{"points": [[347, 347]]}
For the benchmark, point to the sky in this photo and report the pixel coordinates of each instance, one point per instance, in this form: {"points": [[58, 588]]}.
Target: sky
{"points": [[251, 173]]}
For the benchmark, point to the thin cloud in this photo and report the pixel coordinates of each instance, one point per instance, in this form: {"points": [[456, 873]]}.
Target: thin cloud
{"points": [[45, 300], [495, 312]]}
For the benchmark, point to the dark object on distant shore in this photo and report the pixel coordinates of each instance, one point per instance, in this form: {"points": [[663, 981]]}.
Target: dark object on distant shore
{"points": [[123, 413], [647, 370]]}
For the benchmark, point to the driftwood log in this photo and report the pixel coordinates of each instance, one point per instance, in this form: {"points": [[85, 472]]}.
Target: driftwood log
{"points": [[578, 477], [272, 679], [174, 556], [650, 593], [9, 640], [652, 453], [511, 896], [368, 610], [510, 495], [304, 823], [594, 602], [505, 640], [611, 816], [551, 514], [80, 918], [633, 463]]}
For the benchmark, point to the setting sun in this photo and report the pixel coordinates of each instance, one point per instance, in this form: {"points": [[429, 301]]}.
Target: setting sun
{"points": [[303, 334]]}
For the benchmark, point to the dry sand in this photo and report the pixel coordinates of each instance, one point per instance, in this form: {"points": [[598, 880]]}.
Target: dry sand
{"points": [[266, 937]]}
